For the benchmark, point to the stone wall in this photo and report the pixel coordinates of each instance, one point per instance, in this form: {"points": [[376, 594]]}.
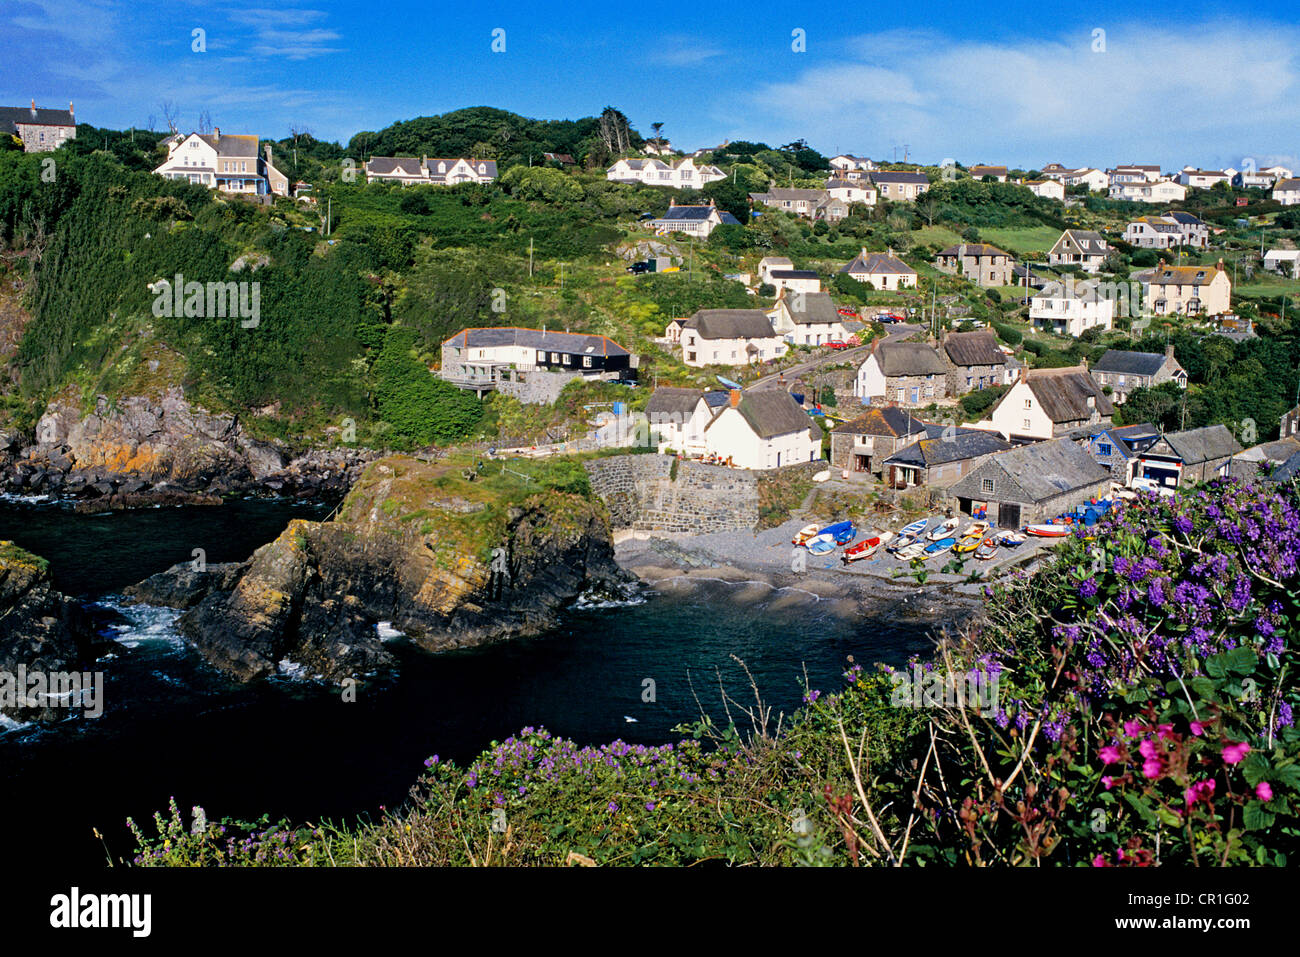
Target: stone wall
{"points": [[642, 493], [537, 386]]}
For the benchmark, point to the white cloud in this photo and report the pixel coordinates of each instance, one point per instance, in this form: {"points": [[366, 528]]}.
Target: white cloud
{"points": [[1209, 93]]}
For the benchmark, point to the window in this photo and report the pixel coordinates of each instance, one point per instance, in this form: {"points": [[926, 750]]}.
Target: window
{"points": [[1027, 425], [986, 486], [1029, 403], [1104, 448]]}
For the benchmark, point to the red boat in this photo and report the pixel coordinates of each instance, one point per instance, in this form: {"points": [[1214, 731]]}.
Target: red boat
{"points": [[1048, 530], [866, 548]]}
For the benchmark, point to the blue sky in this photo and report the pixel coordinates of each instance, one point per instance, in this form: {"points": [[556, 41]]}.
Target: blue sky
{"points": [[1018, 83]]}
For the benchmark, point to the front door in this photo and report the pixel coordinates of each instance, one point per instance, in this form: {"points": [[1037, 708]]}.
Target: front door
{"points": [[1008, 515], [862, 463]]}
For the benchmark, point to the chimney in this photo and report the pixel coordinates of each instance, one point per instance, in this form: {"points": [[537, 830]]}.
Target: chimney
{"points": [[71, 109], [216, 134], [33, 109], [1169, 350], [268, 154], [734, 398]]}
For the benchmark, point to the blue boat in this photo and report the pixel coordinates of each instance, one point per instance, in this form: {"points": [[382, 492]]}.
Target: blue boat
{"points": [[936, 548], [841, 532], [908, 534], [729, 383]]}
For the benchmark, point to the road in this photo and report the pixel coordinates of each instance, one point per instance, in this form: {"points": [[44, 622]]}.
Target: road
{"points": [[831, 357]]}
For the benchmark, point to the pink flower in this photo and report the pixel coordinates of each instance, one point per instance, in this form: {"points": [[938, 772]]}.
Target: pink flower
{"points": [[1148, 749], [1166, 731], [1109, 754], [1264, 791], [1197, 728], [1152, 767], [1132, 728], [1201, 789], [1107, 780], [1233, 753], [1099, 861]]}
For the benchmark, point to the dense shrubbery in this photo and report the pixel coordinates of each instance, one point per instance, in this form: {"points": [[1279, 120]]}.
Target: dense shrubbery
{"points": [[1132, 705]]}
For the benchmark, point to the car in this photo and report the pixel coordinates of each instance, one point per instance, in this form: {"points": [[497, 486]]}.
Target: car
{"points": [[639, 267], [892, 317], [847, 312], [836, 344], [672, 269]]}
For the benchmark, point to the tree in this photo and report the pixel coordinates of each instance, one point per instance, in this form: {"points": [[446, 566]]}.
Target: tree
{"points": [[927, 204], [659, 133]]}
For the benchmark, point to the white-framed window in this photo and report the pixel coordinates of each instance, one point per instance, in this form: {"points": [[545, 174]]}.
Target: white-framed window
{"points": [[986, 486]]}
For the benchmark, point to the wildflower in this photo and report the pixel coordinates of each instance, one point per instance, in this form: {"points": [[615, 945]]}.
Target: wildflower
{"points": [[1110, 754], [1264, 791], [1197, 728], [1089, 588], [1233, 753]]}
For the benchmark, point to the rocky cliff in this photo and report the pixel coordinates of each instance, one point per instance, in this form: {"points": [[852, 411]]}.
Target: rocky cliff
{"points": [[448, 558], [41, 630], [145, 448]]}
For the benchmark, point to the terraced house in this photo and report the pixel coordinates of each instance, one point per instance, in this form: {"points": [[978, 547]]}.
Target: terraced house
{"points": [[763, 430], [40, 130], [1190, 290], [906, 373], [981, 263], [1123, 371], [438, 171], [730, 337], [1182, 458], [808, 318], [862, 444], [974, 361], [1175, 228]]}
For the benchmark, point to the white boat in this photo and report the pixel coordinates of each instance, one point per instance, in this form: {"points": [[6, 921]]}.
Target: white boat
{"points": [[822, 476], [909, 552], [943, 529]]}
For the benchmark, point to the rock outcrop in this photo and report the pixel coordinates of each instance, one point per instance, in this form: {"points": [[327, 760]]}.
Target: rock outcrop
{"points": [[41, 630], [161, 448], [448, 562]]}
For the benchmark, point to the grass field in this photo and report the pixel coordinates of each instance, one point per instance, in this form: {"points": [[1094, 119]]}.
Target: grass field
{"points": [[1022, 239]]}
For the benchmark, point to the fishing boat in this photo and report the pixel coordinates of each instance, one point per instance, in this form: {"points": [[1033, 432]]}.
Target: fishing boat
{"points": [[1010, 539], [866, 548], [907, 535], [840, 532], [970, 539], [909, 552], [987, 549], [805, 533], [821, 544], [943, 529], [938, 548], [1047, 530]]}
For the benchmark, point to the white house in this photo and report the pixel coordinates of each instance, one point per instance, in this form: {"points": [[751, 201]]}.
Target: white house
{"points": [[1205, 178], [1175, 228], [847, 161], [730, 337], [1094, 179], [852, 191], [683, 174], [692, 220], [1070, 308], [1163, 191], [769, 263], [227, 162], [881, 270], [1133, 173], [763, 430], [998, 173], [1283, 261], [426, 171], [808, 319], [795, 280], [677, 418], [1048, 188], [1080, 247], [1048, 403], [908, 373], [1287, 192]]}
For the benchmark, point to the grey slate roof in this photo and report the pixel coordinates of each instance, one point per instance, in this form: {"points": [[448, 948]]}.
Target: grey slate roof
{"points": [[10, 116], [956, 445], [872, 263], [1203, 445], [1041, 471], [1288, 470], [978, 250], [731, 324], [678, 214], [908, 358], [794, 273], [1132, 439], [895, 176], [1130, 363], [978, 348], [889, 421], [575, 343]]}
